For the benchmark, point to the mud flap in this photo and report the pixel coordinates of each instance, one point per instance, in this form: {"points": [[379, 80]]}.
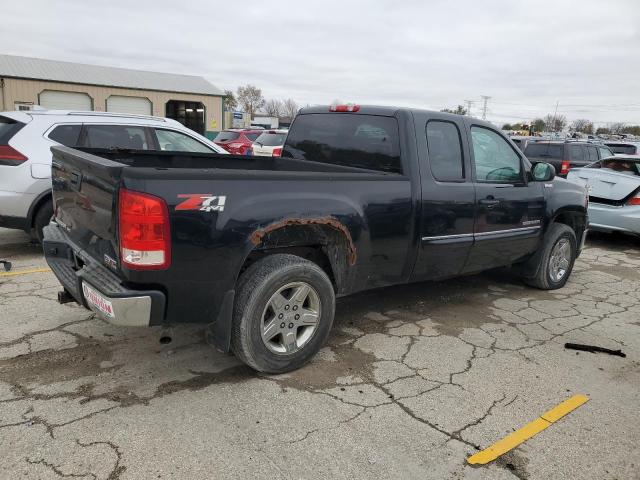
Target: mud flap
{"points": [[218, 333]]}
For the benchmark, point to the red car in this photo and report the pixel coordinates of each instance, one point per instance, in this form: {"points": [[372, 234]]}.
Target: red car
{"points": [[237, 141]]}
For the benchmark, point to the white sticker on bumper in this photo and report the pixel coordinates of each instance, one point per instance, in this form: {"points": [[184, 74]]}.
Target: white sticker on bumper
{"points": [[96, 299]]}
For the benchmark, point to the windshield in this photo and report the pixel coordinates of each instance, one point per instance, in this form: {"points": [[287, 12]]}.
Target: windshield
{"points": [[271, 139], [226, 136], [545, 150]]}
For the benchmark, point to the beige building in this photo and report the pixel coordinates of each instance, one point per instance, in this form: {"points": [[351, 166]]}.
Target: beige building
{"points": [[191, 100]]}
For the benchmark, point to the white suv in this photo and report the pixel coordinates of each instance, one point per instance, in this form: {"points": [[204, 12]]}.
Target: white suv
{"points": [[25, 155]]}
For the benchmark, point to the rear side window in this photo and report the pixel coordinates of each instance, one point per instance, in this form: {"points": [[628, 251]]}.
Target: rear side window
{"points": [[116, 136], [252, 136], [445, 151], [179, 142], [576, 152], [226, 136], [352, 140], [544, 150], [592, 154], [8, 129], [66, 135]]}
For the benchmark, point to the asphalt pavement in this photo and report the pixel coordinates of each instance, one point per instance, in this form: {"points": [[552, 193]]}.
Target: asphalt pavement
{"points": [[414, 380]]}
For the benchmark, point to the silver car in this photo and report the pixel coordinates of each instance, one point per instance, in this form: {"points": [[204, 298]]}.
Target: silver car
{"points": [[614, 193]]}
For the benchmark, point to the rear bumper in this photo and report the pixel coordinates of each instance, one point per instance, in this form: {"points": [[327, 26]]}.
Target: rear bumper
{"points": [[614, 218], [96, 287]]}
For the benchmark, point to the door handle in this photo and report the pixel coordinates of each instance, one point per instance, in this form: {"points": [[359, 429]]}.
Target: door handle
{"points": [[489, 201]]}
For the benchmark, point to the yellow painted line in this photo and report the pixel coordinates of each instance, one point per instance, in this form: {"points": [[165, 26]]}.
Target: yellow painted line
{"points": [[523, 434], [24, 272]]}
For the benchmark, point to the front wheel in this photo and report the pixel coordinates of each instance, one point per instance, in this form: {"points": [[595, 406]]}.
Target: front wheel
{"points": [[555, 258], [283, 313]]}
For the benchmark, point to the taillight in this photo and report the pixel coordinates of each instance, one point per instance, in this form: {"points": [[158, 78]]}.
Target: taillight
{"points": [[564, 167], [10, 156], [276, 152], [349, 107], [635, 200], [145, 238]]}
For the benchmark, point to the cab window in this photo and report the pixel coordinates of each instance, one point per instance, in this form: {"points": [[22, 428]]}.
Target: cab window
{"points": [[445, 151], [494, 159]]}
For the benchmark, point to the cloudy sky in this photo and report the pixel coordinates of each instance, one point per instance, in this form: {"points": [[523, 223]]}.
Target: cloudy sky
{"points": [[526, 55]]}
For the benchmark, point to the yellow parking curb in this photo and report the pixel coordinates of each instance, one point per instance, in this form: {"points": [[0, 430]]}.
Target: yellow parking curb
{"points": [[521, 435], [24, 272]]}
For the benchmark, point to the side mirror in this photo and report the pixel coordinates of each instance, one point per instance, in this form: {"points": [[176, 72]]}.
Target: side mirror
{"points": [[543, 172]]}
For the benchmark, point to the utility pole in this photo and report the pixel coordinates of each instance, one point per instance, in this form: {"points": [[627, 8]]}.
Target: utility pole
{"points": [[469, 105], [485, 99]]}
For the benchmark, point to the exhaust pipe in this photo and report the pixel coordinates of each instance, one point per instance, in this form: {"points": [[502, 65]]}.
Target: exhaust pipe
{"points": [[65, 297], [166, 336]]}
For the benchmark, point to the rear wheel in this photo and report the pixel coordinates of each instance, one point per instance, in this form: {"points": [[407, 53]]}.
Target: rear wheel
{"points": [[42, 219], [555, 259], [283, 313]]}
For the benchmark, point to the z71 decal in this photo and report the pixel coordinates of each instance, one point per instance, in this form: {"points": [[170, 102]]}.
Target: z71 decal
{"points": [[204, 202]]}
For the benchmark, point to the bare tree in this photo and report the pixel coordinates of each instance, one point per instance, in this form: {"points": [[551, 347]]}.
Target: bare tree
{"points": [[230, 102], [555, 123], [250, 98], [617, 127], [274, 108], [290, 108], [582, 125]]}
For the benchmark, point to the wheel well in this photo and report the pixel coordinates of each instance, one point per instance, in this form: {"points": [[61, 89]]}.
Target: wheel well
{"points": [[313, 253], [574, 220], [36, 206]]}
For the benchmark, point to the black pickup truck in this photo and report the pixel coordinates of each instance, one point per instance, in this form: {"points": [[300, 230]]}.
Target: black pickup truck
{"points": [[258, 248]]}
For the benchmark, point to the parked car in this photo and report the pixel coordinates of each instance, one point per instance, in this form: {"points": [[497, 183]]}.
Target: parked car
{"points": [[614, 193], [269, 143], [565, 155], [362, 197], [237, 141], [522, 141], [624, 147], [25, 155]]}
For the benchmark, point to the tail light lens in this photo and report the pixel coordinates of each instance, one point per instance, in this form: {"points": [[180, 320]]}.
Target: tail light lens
{"points": [[564, 167], [635, 200], [276, 152], [10, 156], [145, 237]]}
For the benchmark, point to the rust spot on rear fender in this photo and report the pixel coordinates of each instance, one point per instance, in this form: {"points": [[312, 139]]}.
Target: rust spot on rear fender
{"points": [[257, 236]]}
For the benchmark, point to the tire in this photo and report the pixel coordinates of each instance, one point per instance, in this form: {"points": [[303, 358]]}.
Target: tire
{"points": [[546, 276], [42, 219], [260, 301]]}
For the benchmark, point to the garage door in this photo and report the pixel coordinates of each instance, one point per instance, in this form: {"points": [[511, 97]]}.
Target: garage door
{"points": [[56, 100], [134, 105]]}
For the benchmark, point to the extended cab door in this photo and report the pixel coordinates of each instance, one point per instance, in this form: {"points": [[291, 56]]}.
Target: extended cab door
{"points": [[447, 196], [509, 208]]}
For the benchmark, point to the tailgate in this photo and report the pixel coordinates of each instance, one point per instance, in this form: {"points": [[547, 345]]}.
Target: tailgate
{"points": [[84, 196], [603, 183]]}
